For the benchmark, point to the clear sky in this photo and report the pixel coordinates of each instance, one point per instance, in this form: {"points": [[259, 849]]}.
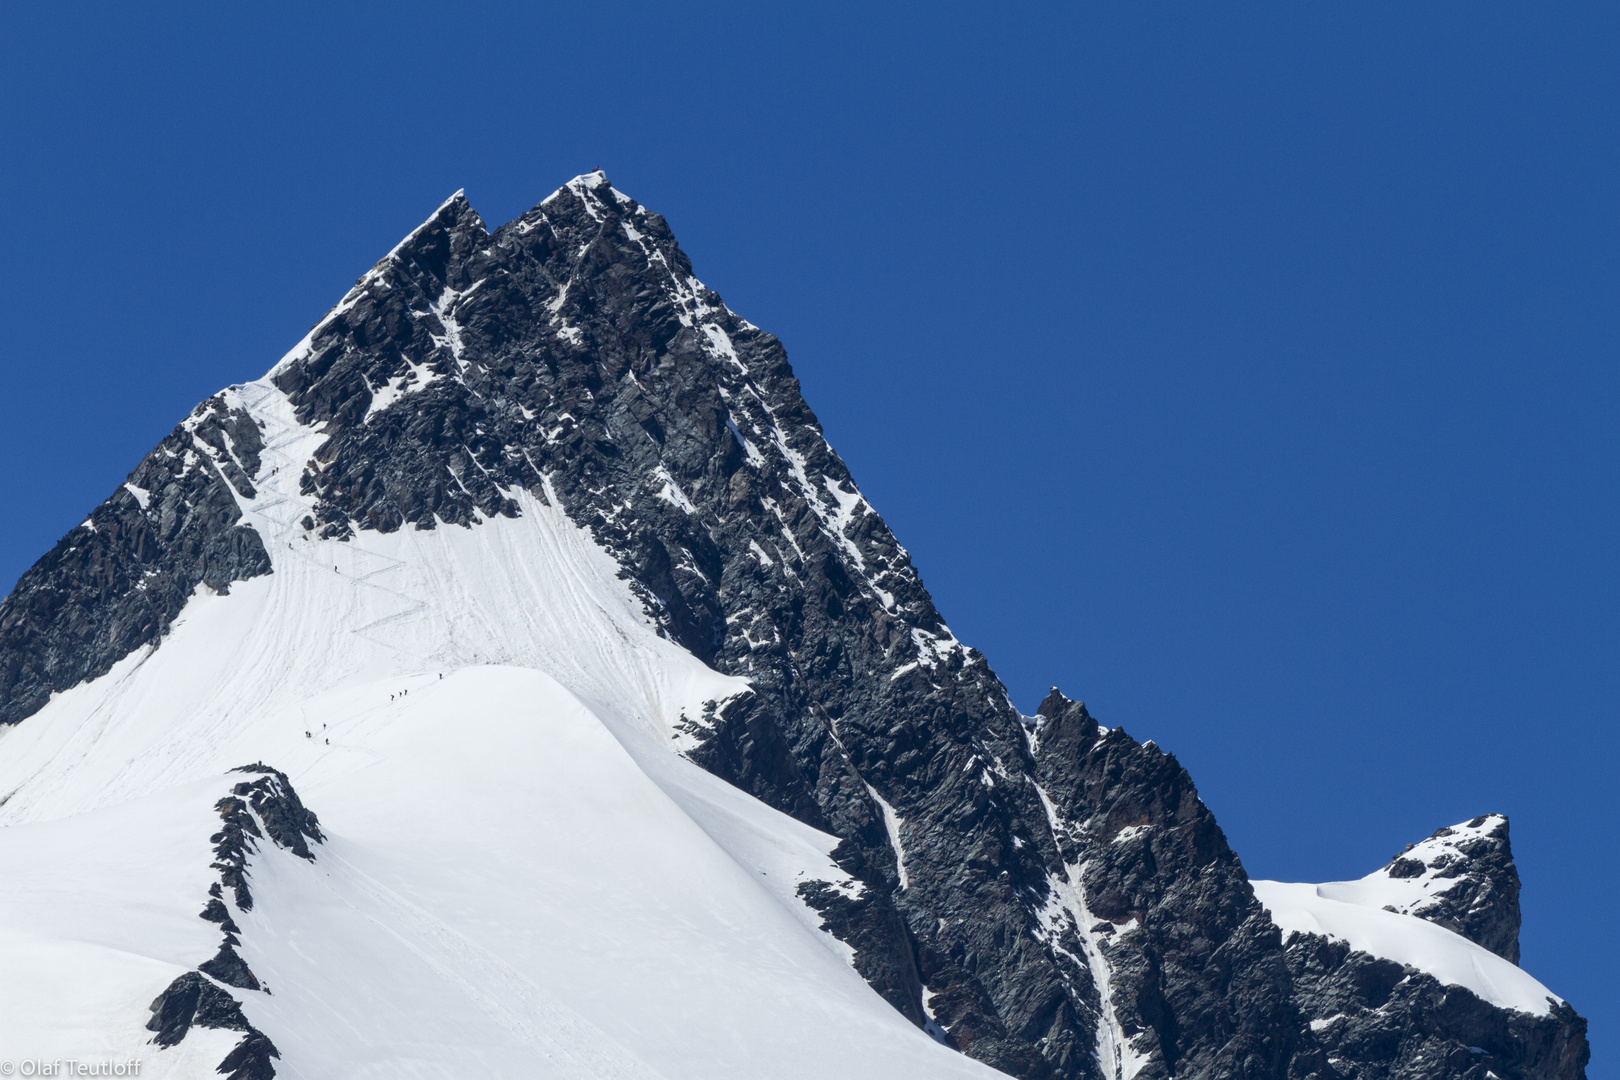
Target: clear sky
{"points": [[1248, 371]]}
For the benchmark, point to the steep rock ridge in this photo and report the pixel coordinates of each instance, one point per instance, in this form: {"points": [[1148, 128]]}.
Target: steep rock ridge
{"points": [[1152, 898], [254, 810], [1463, 879], [1051, 899], [116, 582]]}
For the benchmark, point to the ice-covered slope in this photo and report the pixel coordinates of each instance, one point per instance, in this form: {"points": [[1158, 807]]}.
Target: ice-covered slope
{"points": [[519, 875]]}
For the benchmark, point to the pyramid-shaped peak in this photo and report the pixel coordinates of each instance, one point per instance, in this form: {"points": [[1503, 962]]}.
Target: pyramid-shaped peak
{"points": [[548, 484]]}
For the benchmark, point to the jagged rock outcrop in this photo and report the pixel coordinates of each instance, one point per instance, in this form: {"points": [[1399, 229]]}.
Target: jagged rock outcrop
{"points": [[1378, 1019], [1050, 898], [253, 811], [192, 999]]}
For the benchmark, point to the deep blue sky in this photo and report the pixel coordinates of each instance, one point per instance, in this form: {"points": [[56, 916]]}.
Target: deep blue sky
{"points": [[1248, 371]]}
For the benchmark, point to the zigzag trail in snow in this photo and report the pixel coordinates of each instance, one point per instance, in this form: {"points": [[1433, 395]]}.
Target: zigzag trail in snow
{"points": [[509, 828], [270, 512]]}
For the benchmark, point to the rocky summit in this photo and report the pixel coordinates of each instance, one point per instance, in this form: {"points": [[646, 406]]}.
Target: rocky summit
{"points": [[546, 480]]}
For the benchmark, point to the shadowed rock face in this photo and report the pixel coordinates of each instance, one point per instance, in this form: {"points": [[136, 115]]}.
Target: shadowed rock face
{"points": [[1376, 1020], [1197, 979], [1050, 898]]}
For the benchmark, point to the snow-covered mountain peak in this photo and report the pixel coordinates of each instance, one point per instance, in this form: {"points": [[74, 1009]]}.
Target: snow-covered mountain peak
{"points": [[639, 748], [590, 181]]}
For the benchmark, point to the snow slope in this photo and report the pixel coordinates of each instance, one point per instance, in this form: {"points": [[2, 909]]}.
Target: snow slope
{"points": [[521, 877], [1352, 911]]}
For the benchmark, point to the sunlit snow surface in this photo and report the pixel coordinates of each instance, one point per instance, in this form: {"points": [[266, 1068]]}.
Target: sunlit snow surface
{"points": [[1352, 912], [521, 877]]}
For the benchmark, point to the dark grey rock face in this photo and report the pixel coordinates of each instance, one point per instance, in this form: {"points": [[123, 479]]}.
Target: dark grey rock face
{"points": [[1051, 899], [250, 1060], [1470, 884], [115, 583], [286, 820], [1375, 1020]]}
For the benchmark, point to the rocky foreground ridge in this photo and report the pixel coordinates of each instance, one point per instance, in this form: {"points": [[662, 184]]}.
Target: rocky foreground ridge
{"points": [[1046, 895]]}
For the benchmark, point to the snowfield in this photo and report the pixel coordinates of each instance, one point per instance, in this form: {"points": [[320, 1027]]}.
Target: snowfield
{"points": [[521, 876]]}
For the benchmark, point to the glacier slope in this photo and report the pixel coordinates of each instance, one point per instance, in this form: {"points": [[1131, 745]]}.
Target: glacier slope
{"points": [[520, 876]]}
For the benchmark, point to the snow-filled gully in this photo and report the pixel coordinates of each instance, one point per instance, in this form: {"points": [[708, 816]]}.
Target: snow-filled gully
{"points": [[1115, 1054]]}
